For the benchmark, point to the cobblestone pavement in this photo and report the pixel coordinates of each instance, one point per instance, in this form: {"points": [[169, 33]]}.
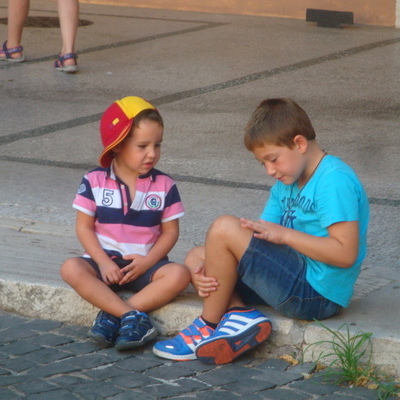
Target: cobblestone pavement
{"points": [[42, 360]]}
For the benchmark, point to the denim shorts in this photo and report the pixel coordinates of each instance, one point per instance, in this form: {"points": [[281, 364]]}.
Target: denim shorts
{"points": [[134, 286], [275, 275]]}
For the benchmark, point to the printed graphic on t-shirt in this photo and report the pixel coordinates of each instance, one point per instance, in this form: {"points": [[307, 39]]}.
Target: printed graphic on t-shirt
{"points": [[108, 195], [292, 206], [153, 202]]}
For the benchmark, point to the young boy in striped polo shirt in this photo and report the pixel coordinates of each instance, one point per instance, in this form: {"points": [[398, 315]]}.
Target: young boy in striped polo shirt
{"points": [[127, 221]]}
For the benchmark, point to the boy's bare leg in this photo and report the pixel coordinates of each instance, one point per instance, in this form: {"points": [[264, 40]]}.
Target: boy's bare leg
{"points": [[226, 243], [167, 283], [195, 261], [81, 277]]}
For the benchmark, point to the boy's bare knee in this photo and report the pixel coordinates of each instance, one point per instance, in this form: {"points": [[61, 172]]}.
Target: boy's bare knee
{"points": [[178, 275], [65, 269], [70, 269], [195, 257], [227, 224]]}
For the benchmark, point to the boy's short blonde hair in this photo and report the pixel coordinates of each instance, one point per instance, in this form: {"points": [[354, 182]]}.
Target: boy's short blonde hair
{"points": [[277, 121]]}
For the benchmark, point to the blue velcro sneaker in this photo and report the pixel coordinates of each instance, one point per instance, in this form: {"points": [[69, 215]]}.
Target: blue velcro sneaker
{"points": [[105, 329], [238, 332], [182, 346], [136, 329]]}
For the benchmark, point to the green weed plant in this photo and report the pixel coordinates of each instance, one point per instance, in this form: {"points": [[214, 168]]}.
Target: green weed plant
{"points": [[349, 360]]}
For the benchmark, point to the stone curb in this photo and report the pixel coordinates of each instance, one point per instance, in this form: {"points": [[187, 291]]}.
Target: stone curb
{"points": [[288, 337]]}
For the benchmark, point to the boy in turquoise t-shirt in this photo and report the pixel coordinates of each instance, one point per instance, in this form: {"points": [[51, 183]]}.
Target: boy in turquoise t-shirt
{"points": [[302, 257]]}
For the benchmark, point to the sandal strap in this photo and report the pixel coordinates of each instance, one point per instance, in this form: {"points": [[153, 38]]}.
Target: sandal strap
{"points": [[7, 52], [68, 56], [60, 60]]}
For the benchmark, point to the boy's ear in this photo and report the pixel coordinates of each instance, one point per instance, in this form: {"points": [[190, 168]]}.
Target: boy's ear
{"points": [[300, 143], [116, 148]]}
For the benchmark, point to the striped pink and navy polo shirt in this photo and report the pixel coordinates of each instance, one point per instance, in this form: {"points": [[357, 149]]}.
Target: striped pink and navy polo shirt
{"points": [[124, 226]]}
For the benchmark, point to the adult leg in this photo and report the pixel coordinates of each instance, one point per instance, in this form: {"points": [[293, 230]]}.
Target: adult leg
{"points": [[68, 11], [17, 13], [82, 278]]}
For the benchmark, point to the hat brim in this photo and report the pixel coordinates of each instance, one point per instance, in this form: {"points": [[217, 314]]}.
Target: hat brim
{"points": [[107, 155]]}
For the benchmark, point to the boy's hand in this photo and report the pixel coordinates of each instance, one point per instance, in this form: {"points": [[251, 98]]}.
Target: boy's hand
{"points": [[110, 272], [136, 268], [204, 284], [269, 231]]}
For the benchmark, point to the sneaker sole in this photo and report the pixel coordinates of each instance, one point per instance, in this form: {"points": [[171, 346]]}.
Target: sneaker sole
{"points": [[223, 350], [128, 345], [70, 69], [14, 60], [174, 357], [99, 339]]}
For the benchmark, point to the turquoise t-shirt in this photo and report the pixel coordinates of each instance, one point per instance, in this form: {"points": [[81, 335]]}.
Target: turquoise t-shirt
{"points": [[333, 194]]}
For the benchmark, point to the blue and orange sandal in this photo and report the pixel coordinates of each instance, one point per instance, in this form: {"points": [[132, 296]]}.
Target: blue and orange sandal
{"points": [[9, 52], [59, 64]]}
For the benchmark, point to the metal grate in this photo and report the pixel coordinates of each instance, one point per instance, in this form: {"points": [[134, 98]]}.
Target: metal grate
{"points": [[328, 18]]}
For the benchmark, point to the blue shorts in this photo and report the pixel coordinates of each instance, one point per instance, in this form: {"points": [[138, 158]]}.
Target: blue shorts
{"points": [[134, 286], [275, 275]]}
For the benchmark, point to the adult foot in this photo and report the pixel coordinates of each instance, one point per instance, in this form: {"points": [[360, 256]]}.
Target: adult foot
{"points": [[66, 63], [12, 54]]}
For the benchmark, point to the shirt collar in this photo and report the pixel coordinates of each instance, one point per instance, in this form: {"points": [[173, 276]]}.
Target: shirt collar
{"points": [[151, 174]]}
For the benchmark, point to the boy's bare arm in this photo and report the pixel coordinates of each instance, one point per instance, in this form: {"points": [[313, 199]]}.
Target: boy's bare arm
{"points": [[110, 272], [340, 248]]}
